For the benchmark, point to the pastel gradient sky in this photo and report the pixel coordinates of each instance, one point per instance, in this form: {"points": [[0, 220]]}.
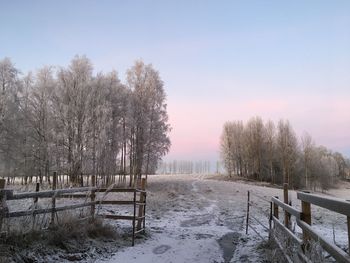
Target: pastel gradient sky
{"points": [[220, 60]]}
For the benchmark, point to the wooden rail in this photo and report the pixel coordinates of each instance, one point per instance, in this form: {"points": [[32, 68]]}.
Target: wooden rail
{"points": [[303, 220], [80, 192]]}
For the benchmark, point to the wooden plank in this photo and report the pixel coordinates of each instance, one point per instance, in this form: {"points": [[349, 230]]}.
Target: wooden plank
{"points": [[3, 205], [141, 212], [348, 225], [68, 207], [2, 183], [7, 192], [117, 190], [75, 195], [291, 210], [334, 204], [49, 193], [45, 210], [287, 231], [275, 207], [285, 200], [333, 250], [122, 217], [53, 198], [247, 219], [112, 202]]}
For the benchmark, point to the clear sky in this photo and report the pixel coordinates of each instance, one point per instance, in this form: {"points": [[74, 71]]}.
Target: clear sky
{"points": [[220, 60]]}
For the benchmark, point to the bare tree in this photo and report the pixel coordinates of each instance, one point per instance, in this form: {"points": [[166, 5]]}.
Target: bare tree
{"points": [[287, 145]]}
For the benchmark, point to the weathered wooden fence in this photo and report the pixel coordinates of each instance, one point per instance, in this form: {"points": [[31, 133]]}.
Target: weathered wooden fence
{"points": [[303, 220], [138, 201]]}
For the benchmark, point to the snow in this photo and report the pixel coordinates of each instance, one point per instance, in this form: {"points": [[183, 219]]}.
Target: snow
{"points": [[195, 218]]}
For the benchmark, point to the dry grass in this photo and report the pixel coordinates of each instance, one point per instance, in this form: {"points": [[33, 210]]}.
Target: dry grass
{"points": [[70, 236]]}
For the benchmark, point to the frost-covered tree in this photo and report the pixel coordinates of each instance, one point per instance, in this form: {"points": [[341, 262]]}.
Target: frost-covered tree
{"points": [[10, 117], [149, 139], [76, 122], [287, 148]]}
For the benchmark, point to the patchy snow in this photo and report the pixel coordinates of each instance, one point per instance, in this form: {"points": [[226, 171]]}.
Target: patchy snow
{"points": [[194, 218]]}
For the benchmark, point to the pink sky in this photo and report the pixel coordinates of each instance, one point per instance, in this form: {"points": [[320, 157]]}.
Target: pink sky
{"points": [[197, 125]]}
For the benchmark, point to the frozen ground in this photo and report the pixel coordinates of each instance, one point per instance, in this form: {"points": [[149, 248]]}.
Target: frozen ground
{"points": [[197, 219], [192, 218]]}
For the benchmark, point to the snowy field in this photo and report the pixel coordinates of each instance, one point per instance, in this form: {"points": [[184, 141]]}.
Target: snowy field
{"points": [[196, 218]]}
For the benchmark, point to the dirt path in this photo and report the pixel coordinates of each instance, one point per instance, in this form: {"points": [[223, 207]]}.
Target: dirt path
{"points": [[192, 219]]}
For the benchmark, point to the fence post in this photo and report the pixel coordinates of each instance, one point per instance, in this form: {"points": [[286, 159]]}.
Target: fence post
{"points": [[275, 209], [142, 200], [35, 200], [348, 222], [54, 184], [247, 219], [306, 217], [270, 221], [2, 202], [285, 200], [92, 196], [133, 219]]}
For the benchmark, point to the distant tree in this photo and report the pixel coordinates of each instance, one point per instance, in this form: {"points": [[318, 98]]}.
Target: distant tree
{"points": [[270, 133], [227, 148], [287, 147], [307, 147]]}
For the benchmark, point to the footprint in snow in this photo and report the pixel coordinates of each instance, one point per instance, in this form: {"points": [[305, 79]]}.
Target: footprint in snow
{"points": [[161, 249]]}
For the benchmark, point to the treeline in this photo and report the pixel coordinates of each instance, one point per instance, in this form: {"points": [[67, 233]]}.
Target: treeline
{"points": [[267, 152], [75, 122], [184, 167]]}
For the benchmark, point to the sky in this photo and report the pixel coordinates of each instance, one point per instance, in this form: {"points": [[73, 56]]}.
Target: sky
{"points": [[219, 60]]}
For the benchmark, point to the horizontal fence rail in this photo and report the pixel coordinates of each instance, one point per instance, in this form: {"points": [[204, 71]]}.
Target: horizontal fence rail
{"points": [[137, 217], [333, 204], [303, 220]]}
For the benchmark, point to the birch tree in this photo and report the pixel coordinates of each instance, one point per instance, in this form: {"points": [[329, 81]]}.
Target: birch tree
{"points": [[287, 145]]}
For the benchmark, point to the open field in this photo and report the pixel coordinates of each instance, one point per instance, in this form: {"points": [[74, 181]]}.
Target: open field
{"points": [[201, 219], [196, 218]]}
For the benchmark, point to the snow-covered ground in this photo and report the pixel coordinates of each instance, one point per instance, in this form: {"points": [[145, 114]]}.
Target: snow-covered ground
{"points": [[196, 218]]}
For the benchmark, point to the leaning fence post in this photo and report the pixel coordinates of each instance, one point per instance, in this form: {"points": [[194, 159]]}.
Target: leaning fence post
{"points": [[2, 201], [348, 223], [275, 209], [35, 200], [270, 220], [142, 200], [247, 220], [285, 200], [306, 217], [93, 195], [54, 184]]}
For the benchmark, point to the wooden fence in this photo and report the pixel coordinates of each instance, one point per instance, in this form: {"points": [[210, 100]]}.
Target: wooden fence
{"points": [[303, 220], [138, 201]]}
